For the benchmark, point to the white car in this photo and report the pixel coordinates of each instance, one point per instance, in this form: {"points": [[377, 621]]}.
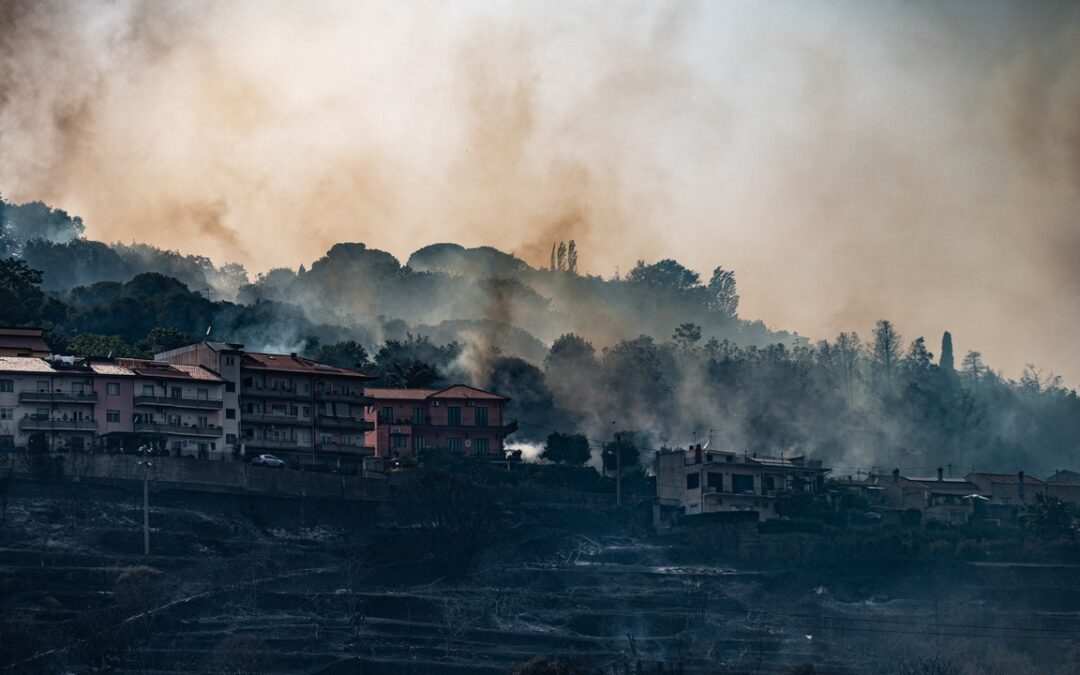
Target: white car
{"points": [[268, 460]]}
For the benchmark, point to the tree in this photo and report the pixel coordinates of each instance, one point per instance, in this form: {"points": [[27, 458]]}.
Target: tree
{"points": [[21, 298], [667, 274], [946, 360], [160, 339], [560, 256], [918, 359], [99, 346], [849, 348], [686, 336], [885, 354], [553, 261], [570, 449], [347, 354], [571, 258], [1052, 518], [1034, 382], [722, 294], [973, 366]]}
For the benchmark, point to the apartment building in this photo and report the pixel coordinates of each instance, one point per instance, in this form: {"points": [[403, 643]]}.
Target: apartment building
{"points": [[698, 481], [299, 409], [951, 500], [459, 418], [47, 404]]}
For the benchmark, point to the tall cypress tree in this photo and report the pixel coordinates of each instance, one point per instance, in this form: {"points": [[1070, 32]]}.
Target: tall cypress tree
{"points": [[946, 360]]}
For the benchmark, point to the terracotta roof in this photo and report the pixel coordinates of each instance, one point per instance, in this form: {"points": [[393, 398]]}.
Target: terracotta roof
{"points": [[111, 369], [465, 391], [1065, 477], [297, 364], [161, 369], [462, 391], [24, 364], [30, 343]]}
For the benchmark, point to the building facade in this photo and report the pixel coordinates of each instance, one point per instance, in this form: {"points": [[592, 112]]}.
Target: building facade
{"points": [[698, 481], [301, 410], [458, 418], [23, 342]]}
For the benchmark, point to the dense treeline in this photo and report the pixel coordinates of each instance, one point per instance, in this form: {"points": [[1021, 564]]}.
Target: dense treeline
{"points": [[660, 353]]}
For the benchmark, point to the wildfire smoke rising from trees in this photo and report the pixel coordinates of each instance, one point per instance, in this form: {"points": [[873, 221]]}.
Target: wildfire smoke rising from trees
{"points": [[913, 161]]}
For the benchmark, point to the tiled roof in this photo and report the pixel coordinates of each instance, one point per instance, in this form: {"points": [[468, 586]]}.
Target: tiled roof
{"points": [[454, 391], [161, 369], [1065, 477], [24, 364], [111, 369], [465, 391], [298, 364], [30, 343]]}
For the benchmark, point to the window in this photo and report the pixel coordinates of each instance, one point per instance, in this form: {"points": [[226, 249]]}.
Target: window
{"points": [[453, 415], [693, 481], [112, 416], [112, 389], [770, 483], [397, 441], [453, 444], [342, 409], [7, 413], [417, 415], [386, 414], [417, 443], [7, 385], [230, 413], [481, 416], [741, 483], [230, 387], [76, 387], [229, 361], [42, 386], [204, 421], [715, 480], [174, 420], [305, 387], [148, 390], [230, 439], [202, 394], [177, 393], [306, 411], [482, 446]]}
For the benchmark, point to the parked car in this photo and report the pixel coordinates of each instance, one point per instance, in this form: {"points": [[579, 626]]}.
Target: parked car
{"points": [[268, 460]]}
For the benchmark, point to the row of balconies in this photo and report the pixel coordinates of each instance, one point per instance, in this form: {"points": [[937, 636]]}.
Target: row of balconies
{"points": [[321, 421], [294, 445], [58, 397], [293, 393], [40, 423], [508, 427]]}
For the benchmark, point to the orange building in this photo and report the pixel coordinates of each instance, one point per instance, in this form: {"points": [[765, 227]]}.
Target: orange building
{"points": [[458, 418]]}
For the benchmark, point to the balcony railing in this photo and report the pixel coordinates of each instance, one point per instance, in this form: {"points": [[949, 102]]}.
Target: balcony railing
{"points": [[57, 397], [356, 450], [178, 429], [175, 402], [270, 418], [356, 397], [261, 392], [271, 444], [348, 423], [34, 423]]}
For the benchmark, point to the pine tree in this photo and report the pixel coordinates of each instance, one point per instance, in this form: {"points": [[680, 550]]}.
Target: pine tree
{"points": [[560, 256], [571, 258], [552, 257], [946, 361]]}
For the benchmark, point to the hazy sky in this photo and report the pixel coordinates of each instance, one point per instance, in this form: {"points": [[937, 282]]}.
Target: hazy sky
{"points": [[850, 161]]}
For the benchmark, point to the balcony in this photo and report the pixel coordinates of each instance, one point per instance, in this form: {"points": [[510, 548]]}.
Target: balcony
{"points": [[345, 423], [509, 427], [270, 418], [354, 450], [270, 444], [356, 397], [178, 429], [57, 397], [175, 402], [35, 423], [260, 392]]}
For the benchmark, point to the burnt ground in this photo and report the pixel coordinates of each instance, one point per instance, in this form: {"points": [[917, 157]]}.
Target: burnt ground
{"points": [[288, 586]]}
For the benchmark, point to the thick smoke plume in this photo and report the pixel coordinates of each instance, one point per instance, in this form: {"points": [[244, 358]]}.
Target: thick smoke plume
{"points": [[917, 161]]}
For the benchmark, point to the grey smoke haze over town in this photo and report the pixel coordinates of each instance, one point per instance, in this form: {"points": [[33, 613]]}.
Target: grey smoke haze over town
{"points": [[917, 161]]}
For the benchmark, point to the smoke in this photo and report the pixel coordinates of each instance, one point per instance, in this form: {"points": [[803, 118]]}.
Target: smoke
{"points": [[915, 161]]}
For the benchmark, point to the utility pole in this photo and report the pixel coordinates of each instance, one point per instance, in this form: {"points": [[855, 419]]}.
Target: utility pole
{"points": [[618, 467], [146, 464]]}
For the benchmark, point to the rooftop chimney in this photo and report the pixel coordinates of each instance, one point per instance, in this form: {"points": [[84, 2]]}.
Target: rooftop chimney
{"points": [[1020, 484], [896, 475], [940, 474], [697, 454]]}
